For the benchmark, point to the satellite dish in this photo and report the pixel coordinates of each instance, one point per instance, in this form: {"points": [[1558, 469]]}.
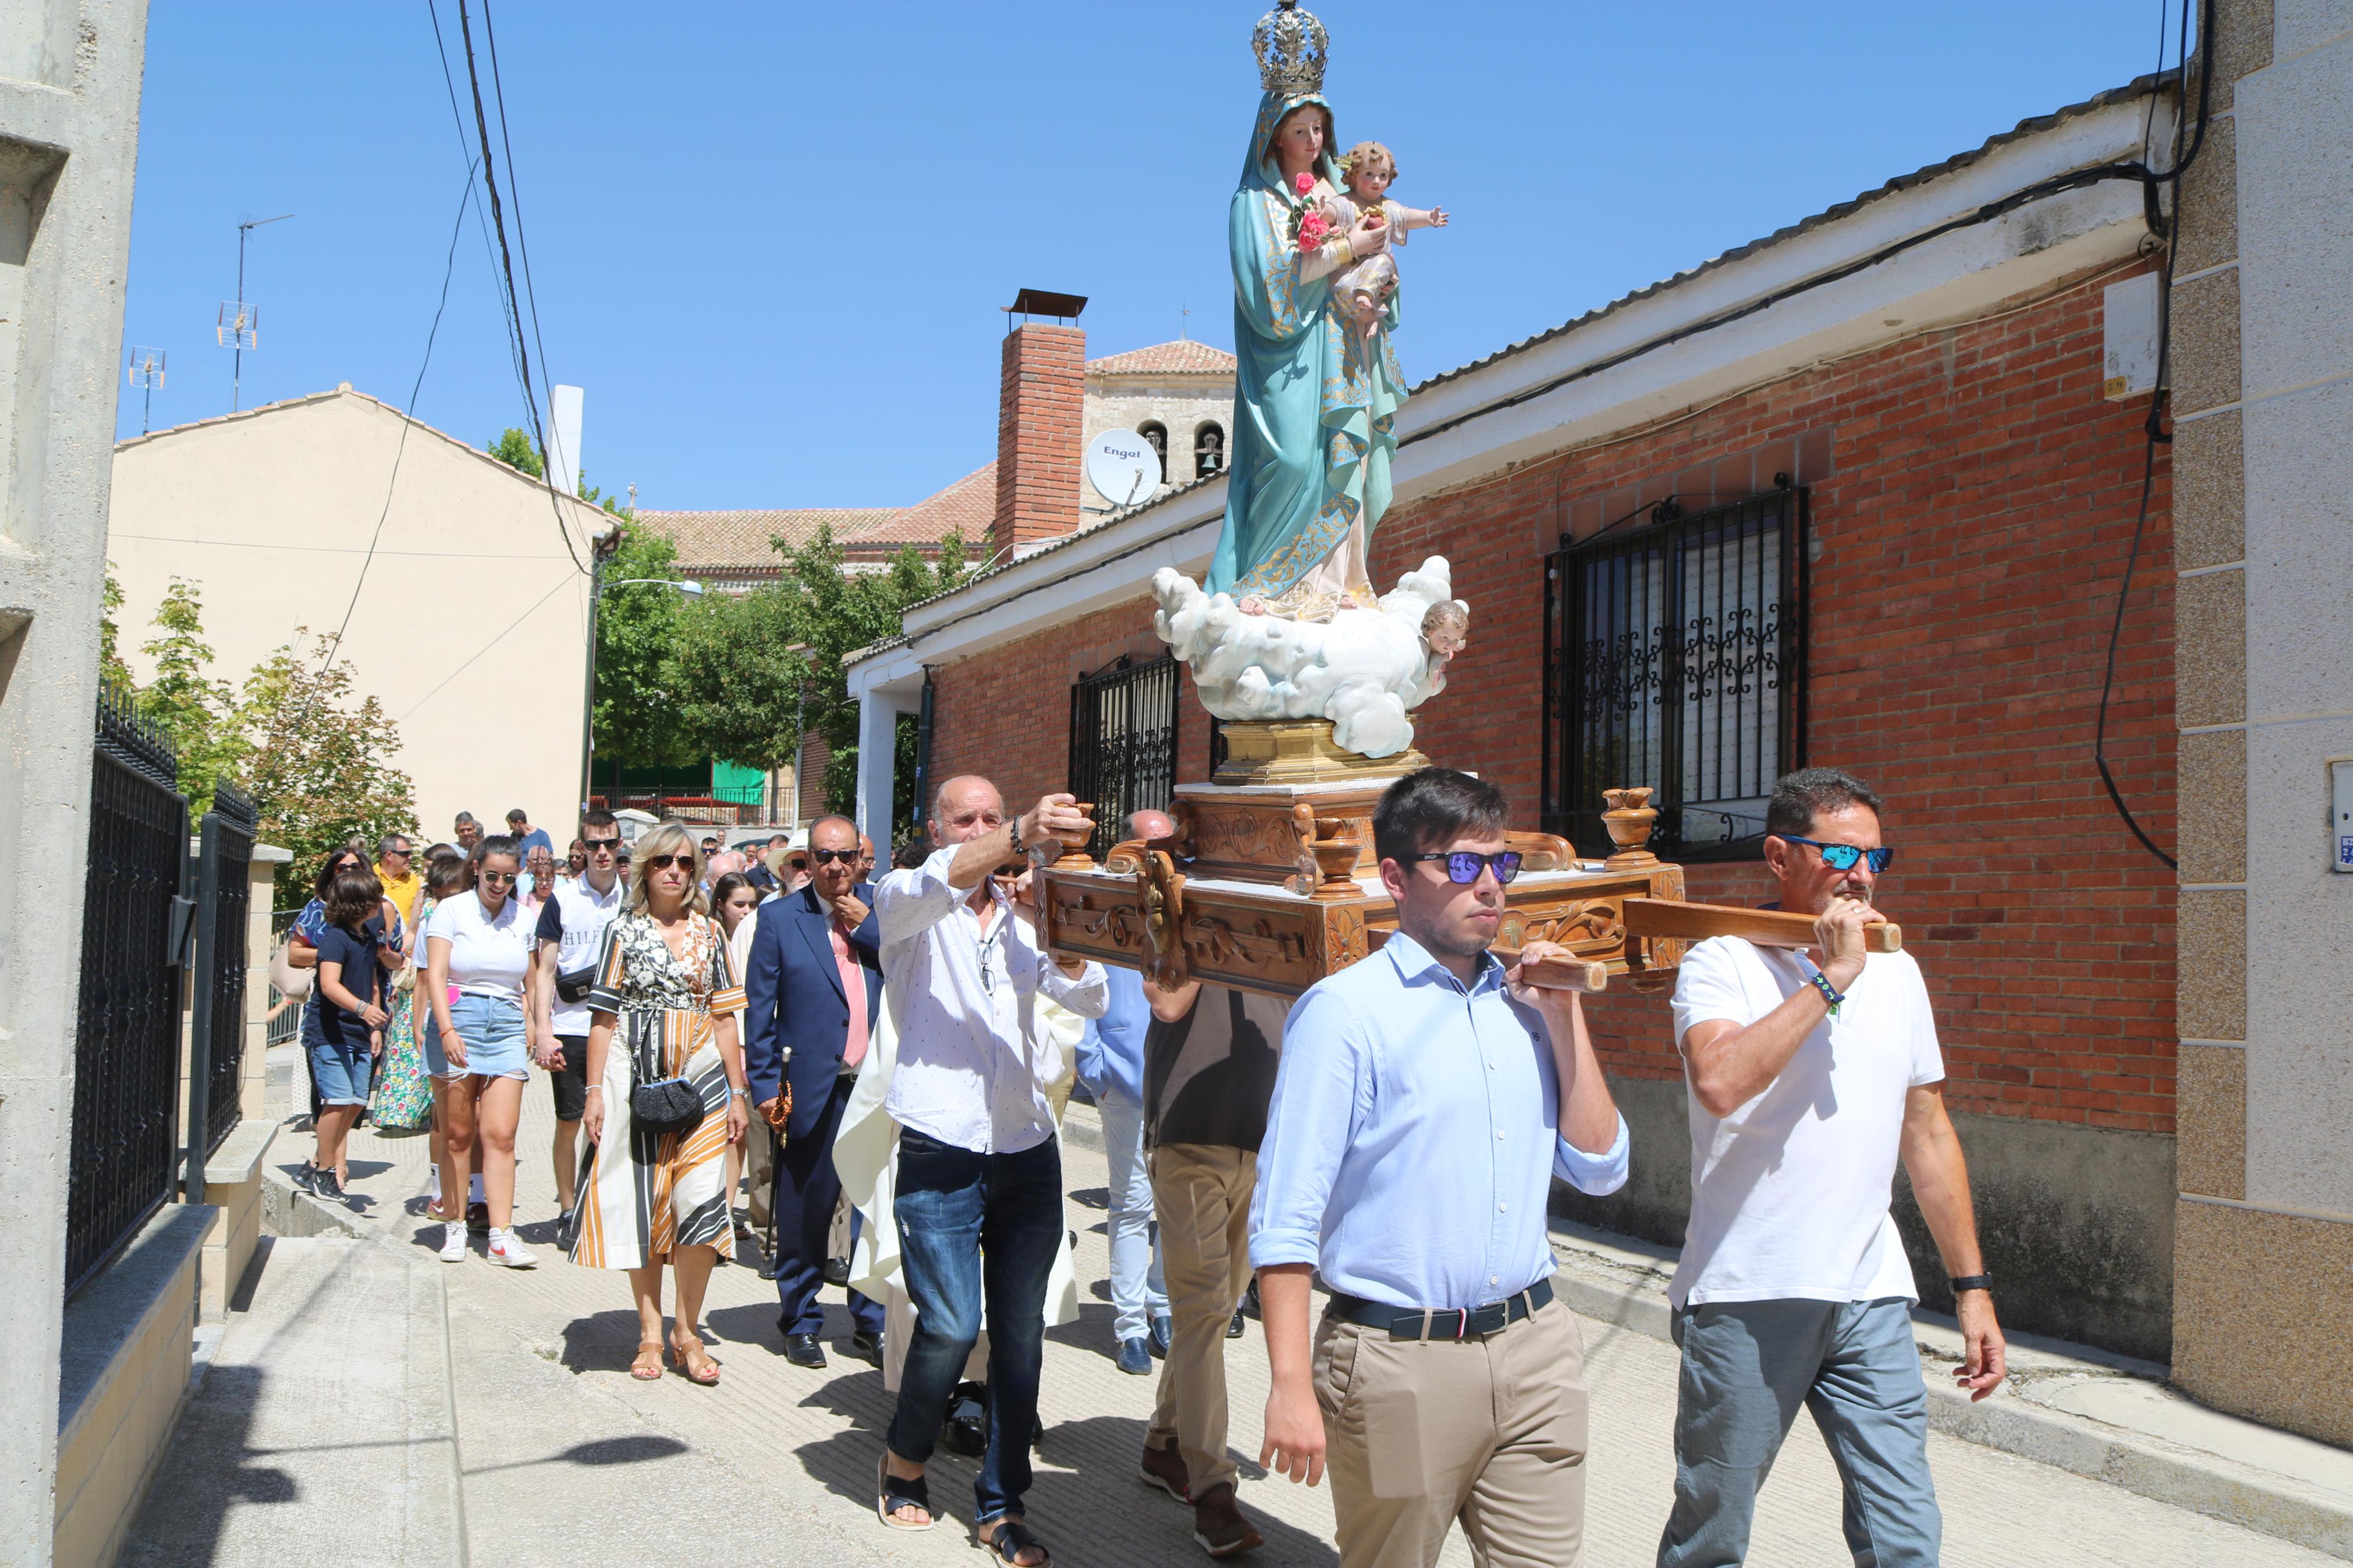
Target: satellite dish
{"points": [[1123, 467]]}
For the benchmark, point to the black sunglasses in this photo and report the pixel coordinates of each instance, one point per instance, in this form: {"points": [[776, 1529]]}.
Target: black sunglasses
{"points": [[827, 856], [1463, 866], [595, 844], [1842, 857], [499, 879]]}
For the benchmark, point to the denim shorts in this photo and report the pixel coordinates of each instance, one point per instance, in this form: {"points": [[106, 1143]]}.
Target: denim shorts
{"points": [[340, 1073], [491, 1028]]}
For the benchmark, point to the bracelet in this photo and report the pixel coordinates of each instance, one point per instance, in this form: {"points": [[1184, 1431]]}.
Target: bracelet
{"points": [[1823, 986], [595, 1088], [1972, 1282]]}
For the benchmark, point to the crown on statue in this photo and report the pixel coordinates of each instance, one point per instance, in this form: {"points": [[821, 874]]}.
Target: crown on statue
{"points": [[1292, 54]]}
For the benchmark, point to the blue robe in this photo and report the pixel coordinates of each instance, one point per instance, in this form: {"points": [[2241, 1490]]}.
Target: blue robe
{"points": [[1314, 403]]}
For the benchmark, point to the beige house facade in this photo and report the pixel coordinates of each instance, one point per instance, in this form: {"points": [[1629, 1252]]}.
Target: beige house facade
{"points": [[466, 583]]}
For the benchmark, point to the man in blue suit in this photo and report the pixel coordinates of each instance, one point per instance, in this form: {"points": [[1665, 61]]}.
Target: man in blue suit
{"points": [[815, 985]]}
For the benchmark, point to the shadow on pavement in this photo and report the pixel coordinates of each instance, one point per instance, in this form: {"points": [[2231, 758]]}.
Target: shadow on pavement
{"points": [[210, 1471]]}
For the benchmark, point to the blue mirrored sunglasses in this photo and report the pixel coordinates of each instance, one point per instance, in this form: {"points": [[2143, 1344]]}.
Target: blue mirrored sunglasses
{"points": [[1842, 857], [1462, 866]]}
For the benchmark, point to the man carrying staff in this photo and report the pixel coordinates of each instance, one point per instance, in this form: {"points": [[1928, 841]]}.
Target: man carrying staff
{"points": [[1810, 1073], [978, 1203], [1424, 1101]]}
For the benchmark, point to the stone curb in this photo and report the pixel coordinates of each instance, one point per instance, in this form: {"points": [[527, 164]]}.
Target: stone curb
{"points": [[1605, 1290]]}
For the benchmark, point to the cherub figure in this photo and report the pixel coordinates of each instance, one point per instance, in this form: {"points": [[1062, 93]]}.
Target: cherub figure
{"points": [[1367, 286], [1445, 632]]}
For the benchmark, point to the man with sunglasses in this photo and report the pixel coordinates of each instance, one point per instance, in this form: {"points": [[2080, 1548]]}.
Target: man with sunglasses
{"points": [[395, 873], [814, 980], [1423, 1103], [1811, 1072], [570, 938]]}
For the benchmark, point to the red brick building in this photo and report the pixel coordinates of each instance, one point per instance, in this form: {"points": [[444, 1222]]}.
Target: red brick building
{"points": [[1896, 467]]}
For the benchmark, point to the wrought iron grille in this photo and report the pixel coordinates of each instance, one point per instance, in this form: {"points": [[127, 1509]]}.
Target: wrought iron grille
{"points": [[224, 898], [1124, 743], [1674, 656], [126, 1132]]}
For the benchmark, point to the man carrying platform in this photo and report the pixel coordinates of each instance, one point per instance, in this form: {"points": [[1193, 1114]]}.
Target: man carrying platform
{"points": [[1423, 1103], [1810, 1073]]}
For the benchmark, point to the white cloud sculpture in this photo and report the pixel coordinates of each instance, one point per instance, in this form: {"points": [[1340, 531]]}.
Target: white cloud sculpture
{"points": [[1365, 670]]}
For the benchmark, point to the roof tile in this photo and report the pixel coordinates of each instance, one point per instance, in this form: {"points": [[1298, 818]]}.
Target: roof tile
{"points": [[1183, 357]]}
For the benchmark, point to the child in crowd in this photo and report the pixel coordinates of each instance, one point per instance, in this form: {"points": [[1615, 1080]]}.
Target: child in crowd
{"points": [[344, 1033]]}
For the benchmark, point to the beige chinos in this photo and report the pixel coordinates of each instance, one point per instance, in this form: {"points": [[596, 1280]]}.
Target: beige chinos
{"points": [[1201, 1196], [1489, 1430]]}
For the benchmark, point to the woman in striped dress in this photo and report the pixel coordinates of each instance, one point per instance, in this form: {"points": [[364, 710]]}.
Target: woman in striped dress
{"points": [[666, 1004]]}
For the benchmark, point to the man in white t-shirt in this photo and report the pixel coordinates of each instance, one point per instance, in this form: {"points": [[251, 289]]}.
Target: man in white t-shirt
{"points": [[571, 937], [1810, 1073]]}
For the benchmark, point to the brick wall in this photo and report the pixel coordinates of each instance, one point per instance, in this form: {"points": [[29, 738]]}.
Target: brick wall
{"points": [[1041, 391], [1972, 498]]}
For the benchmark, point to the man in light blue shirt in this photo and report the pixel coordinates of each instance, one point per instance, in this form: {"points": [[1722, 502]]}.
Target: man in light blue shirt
{"points": [[1424, 1103]]}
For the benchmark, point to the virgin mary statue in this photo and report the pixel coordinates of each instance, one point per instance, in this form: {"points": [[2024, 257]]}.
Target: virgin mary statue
{"points": [[1315, 400]]}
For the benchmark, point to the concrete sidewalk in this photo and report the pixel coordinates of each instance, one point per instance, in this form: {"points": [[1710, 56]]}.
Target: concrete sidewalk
{"points": [[561, 1458]]}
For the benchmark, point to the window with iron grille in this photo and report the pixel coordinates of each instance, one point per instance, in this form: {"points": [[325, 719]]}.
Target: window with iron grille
{"points": [[1124, 743], [1674, 656]]}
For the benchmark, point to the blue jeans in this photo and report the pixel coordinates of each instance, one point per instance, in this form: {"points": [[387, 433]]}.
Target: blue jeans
{"points": [[974, 1227], [1747, 1367], [1137, 1292]]}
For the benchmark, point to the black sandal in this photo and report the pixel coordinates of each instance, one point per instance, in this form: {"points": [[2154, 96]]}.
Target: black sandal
{"points": [[892, 1494], [1011, 1536]]}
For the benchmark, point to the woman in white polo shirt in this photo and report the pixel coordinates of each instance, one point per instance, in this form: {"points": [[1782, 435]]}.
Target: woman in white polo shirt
{"points": [[478, 950]]}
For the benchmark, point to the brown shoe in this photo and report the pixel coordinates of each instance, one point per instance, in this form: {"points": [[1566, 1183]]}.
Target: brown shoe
{"points": [[1219, 1525], [1165, 1468]]}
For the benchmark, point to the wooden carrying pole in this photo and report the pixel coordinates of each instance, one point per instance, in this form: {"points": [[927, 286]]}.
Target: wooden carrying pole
{"points": [[1766, 927]]}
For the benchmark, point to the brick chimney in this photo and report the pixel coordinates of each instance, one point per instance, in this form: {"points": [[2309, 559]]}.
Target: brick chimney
{"points": [[1039, 414]]}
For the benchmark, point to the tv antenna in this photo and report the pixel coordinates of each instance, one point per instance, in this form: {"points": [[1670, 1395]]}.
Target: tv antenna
{"points": [[146, 371], [238, 324]]}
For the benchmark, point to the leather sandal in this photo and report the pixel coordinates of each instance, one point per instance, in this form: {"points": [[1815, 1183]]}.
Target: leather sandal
{"points": [[1011, 1539], [892, 1493], [682, 1354], [643, 1370]]}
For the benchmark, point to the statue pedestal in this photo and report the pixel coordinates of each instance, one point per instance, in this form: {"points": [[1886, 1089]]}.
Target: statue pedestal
{"points": [[1270, 883], [1302, 750]]}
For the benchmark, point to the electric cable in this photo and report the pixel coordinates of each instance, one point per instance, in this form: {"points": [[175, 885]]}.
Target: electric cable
{"points": [[481, 223], [407, 419], [506, 261], [515, 195]]}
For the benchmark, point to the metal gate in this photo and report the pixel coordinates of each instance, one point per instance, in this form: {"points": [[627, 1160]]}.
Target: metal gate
{"points": [[134, 931], [1674, 656], [1124, 743], [216, 1029]]}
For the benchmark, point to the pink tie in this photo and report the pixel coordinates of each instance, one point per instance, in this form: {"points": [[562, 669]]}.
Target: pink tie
{"points": [[853, 990]]}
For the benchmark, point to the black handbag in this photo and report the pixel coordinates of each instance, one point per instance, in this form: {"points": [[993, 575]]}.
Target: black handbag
{"points": [[670, 1105], [574, 984]]}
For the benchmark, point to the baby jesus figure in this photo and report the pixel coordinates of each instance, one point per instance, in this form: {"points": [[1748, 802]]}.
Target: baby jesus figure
{"points": [[1366, 286]]}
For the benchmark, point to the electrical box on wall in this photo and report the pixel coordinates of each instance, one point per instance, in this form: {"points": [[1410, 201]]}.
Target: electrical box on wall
{"points": [[2129, 334], [2340, 814]]}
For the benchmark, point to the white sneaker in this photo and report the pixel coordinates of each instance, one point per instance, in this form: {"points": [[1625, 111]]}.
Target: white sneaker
{"points": [[506, 1247], [453, 1241]]}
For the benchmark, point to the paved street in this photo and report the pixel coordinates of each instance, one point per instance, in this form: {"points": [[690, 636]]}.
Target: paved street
{"points": [[565, 1460]]}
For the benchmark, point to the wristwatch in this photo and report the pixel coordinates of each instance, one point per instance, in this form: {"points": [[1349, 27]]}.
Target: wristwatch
{"points": [[1972, 1282]]}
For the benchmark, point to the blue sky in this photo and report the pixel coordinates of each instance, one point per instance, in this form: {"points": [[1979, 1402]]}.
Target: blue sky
{"points": [[771, 241]]}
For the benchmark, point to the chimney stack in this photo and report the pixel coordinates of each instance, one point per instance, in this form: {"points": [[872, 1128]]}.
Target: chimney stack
{"points": [[1039, 423]]}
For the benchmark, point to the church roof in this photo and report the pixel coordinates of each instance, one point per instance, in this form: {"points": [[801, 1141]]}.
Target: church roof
{"points": [[1183, 357], [741, 538], [969, 505]]}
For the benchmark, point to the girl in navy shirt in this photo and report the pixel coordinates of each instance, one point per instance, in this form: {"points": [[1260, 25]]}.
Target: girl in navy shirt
{"points": [[345, 1032]]}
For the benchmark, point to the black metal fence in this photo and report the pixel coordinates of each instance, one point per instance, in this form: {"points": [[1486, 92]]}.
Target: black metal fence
{"points": [[125, 1133], [216, 1029], [1124, 742], [1674, 656]]}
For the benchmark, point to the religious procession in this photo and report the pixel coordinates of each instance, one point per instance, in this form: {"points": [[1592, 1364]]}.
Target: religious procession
{"points": [[1708, 939]]}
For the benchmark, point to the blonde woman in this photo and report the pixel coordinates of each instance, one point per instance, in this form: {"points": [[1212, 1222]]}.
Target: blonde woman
{"points": [[665, 1007]]}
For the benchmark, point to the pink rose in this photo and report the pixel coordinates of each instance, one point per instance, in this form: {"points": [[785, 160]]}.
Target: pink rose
{"points": [[1303, 183]]}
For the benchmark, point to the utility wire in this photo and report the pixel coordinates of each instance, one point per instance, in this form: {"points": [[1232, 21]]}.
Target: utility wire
{"points": [[481, 223], [514, 195], [2155, 430], [407, 419], [506, 267]]}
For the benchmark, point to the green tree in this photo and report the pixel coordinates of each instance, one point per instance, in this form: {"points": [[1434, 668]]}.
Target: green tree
{"points": [[738, 684], [638, 628], [110, 668], [199, 713], [516, 450], [321, 769]]}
